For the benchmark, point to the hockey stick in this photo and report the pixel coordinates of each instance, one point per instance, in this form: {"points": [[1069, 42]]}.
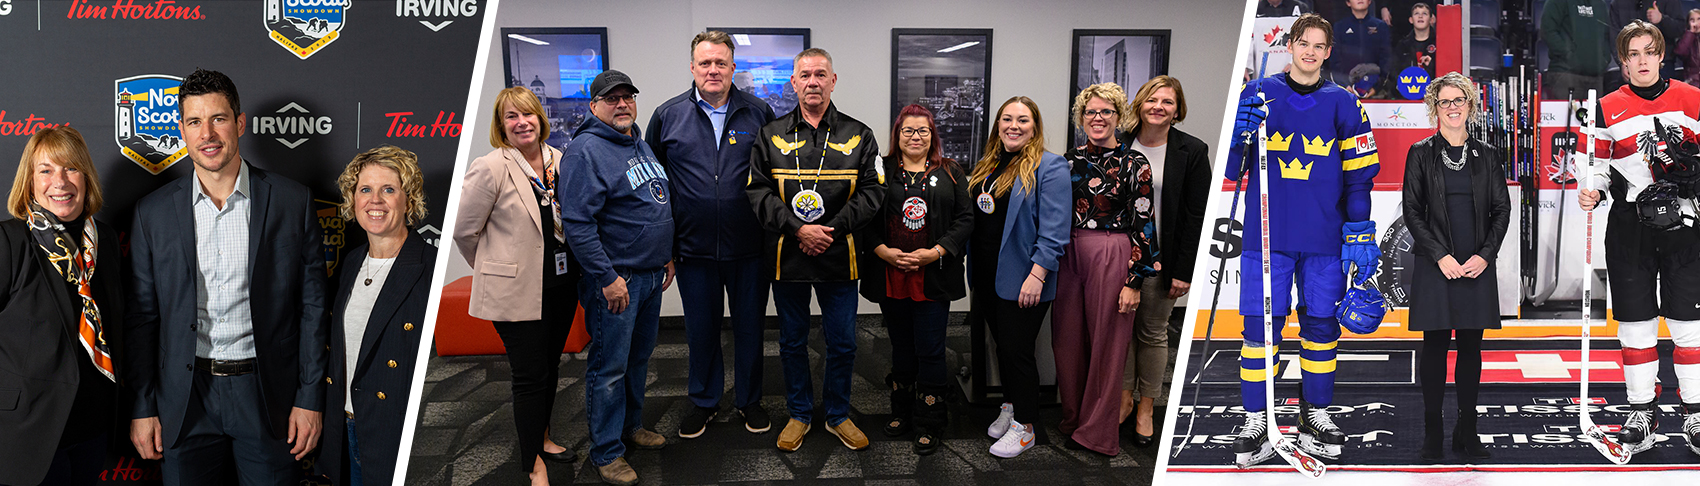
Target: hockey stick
{"points": [[1559, 174], [1215, 297], [1591, 433], [1300, 460]]}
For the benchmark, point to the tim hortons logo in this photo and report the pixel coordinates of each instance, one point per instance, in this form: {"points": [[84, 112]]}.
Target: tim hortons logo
{"points": [[444, 126], [445, 10], [305, 26], [129, 10], [27, 126], [292, 125]]}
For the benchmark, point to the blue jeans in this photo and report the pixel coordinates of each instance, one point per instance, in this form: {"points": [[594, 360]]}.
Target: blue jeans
{"points": [[620, 345], [703, 286], [354, 478], [838, 326]]}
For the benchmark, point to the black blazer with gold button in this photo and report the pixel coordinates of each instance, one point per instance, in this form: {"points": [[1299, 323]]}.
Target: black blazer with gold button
{"points": [[384, 369]]}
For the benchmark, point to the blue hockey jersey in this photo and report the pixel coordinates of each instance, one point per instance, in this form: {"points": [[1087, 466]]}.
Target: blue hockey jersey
{"points": [[1323, 162]]}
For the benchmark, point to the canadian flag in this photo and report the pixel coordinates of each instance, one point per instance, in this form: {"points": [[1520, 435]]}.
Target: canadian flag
{"points": [[1544, 366]]}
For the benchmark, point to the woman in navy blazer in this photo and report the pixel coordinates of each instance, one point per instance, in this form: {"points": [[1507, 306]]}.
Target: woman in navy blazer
{"points": [[378, 317], [1021, 195]]}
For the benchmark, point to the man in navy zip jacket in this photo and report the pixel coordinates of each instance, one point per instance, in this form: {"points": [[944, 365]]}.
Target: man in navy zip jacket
{"points": [[1362, 39], [703, 137], [614, 209]]}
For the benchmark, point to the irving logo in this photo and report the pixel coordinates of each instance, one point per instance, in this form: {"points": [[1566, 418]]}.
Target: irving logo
{"points": [[1293, 170], [448, 10], [291, 122], [305, 26], [145, 123]]}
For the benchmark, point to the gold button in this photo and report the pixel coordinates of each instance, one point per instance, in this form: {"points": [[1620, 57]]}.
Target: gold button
{"points": [[407, 327], [327, 380], [392, 363], [380, 395]]}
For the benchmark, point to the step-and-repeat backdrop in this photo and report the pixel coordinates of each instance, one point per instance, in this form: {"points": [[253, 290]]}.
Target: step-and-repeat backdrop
{"points": [[320, 81]]}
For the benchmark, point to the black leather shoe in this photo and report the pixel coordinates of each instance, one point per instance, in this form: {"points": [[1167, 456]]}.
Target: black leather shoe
{"points": [[1143, 441], [563, 457]]}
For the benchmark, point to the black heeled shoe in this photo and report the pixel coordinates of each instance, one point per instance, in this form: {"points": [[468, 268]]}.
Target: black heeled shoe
{"points": [[563, 457], [1466, 442]]}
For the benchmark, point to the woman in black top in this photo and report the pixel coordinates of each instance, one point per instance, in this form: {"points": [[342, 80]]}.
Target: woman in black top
{"points": [[919, 237], [61, 318], [1457, 210]]}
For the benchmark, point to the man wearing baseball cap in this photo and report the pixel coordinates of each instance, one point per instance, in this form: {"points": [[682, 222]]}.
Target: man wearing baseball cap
{"points": [[614, 208]]}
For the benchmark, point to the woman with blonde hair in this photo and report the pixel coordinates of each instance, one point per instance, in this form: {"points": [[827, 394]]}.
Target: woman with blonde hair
{"points": [[1180, 187], [523, 274], [61, 318], [378, 315], [1457, 210], [1111, 251], [1021, 197]]}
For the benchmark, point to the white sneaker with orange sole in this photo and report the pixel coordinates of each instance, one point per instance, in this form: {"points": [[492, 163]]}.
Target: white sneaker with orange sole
{"points": [[1017, 440]]}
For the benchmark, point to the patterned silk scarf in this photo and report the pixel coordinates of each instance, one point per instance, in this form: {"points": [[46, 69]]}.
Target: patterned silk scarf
{"points": [[77, 267]]}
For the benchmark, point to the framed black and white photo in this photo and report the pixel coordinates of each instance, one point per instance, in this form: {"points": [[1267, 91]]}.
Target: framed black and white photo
{"points": [[764, 57], [558, 65], [948, 71], [1128, 58]]}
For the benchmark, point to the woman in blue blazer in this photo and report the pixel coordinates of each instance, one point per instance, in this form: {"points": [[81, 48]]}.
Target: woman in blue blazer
{"points": [[1021, 196], [379, 317]]}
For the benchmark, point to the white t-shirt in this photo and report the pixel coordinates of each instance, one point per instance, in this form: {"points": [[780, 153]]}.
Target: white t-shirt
{"points": [[1155, 155], [356, 315]]}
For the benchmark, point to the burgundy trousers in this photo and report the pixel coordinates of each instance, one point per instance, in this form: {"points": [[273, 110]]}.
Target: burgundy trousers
{"points": [[1089, 337]]}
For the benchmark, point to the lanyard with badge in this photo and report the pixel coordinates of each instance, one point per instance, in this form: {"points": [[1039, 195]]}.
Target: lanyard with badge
{"points": [[986, 202], [807, 204], [915, 207], [544, 184]]}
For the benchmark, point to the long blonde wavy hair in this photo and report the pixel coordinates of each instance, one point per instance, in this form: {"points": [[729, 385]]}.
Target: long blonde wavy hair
{"points": [[1024, 165]]}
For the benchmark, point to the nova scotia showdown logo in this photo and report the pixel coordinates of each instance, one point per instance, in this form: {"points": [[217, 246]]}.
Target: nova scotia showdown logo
{"points": [[305, 26], [146, 121]]}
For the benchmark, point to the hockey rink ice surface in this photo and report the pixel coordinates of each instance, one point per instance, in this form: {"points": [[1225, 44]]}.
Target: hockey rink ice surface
{"points": [[1528, 412]]}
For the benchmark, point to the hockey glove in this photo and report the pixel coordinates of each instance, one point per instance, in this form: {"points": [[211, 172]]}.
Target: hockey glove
{"points": [[1359, 249], [1362, 309], [1251, 114]]}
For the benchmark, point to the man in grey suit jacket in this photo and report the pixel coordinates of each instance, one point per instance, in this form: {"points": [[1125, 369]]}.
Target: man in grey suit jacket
{"points": [[227, 307]]}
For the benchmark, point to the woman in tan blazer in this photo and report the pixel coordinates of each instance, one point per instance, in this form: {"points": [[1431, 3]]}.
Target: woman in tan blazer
{"points": [[523, 275]]}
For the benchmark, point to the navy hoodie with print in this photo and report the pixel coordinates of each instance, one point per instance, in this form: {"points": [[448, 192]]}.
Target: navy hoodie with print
{"points": [[614, 202]]}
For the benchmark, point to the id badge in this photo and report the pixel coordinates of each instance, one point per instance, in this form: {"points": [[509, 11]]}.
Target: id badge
{"points": [[560, 263]]}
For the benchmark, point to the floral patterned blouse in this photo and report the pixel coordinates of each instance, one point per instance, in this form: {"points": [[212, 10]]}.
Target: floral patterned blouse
{"points": [[1112, 191]]}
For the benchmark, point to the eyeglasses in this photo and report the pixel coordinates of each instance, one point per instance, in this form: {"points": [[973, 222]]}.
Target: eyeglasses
{"points": [[915, 132], [615, 100], [1452, 103], [1099, 113]]}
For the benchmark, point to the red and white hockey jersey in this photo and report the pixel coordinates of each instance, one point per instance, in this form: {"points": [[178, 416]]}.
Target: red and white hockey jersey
{"points": [[1625, 139]]}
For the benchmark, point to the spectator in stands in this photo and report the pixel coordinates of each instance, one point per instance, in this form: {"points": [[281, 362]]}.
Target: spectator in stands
{"points": [[1360, 39], [1578, 43], [1417, 49], [1282, 8], [1688, 48]]}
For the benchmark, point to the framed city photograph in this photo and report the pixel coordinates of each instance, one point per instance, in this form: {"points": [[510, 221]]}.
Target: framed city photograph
{"points": [[948, 71], [558, 65], [764, 58], [1128, 58]]}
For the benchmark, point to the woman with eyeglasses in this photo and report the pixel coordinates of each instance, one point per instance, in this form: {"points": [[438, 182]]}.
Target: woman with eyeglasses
{"points": [[919, 236], [1112, 249], [1457, 210]]}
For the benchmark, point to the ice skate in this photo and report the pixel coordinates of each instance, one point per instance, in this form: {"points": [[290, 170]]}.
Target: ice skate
{"points": [[1252, 446], [1317, 433], [1640, 432]]}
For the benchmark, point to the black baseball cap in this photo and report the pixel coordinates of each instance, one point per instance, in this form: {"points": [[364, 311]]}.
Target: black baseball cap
{"points": [[609, 80]]}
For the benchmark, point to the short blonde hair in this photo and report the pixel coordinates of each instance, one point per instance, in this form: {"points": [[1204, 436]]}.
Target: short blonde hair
{"points": [[64, 146], [1431, 96], [1150, 89], [527, 102], [714, 37], [406, 166], [1110, 92]]}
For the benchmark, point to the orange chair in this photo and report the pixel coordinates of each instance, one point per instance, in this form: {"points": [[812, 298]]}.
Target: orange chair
{"points": [[459, 334]]}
